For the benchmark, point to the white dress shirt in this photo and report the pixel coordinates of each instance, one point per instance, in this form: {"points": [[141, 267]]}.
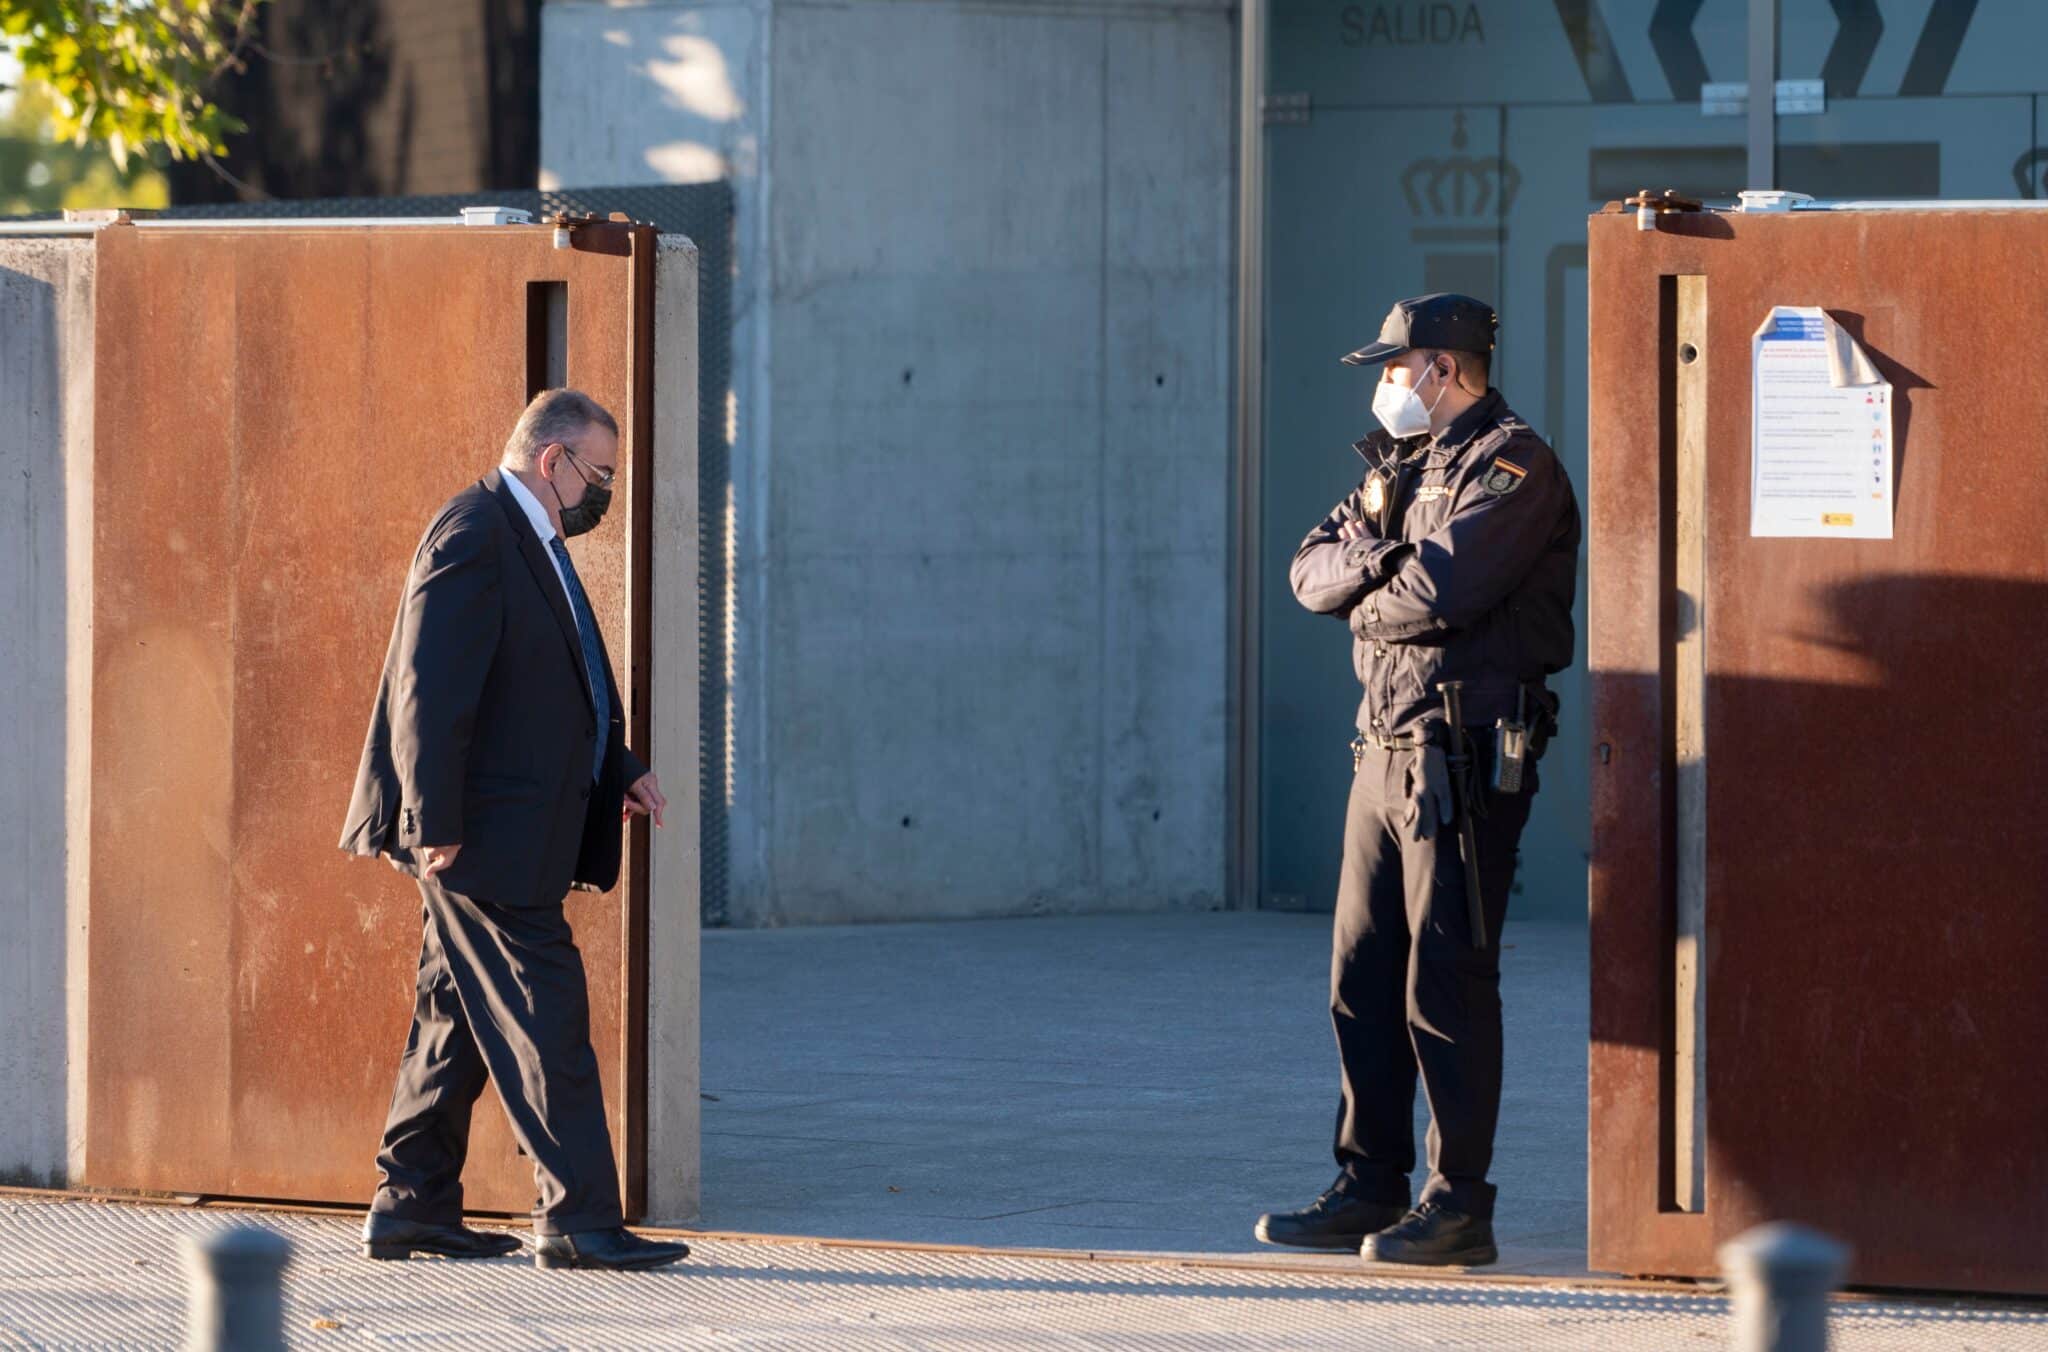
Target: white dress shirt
{"points": [[545, 529], [542, 527]]}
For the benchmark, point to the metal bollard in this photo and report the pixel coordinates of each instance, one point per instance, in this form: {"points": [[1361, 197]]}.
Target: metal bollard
{"points": [[234, 1290], [1780, 1275]]}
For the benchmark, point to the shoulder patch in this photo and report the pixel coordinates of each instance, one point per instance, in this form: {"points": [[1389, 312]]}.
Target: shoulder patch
{"points": [[1504, 478]]}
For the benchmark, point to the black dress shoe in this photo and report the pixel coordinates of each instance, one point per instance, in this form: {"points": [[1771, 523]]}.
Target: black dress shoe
{"points": [[386, 1236], [1336, 1220], [620, 1250], [1434, 1236]]}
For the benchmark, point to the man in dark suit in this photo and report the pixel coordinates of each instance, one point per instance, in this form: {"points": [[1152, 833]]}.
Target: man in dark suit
{"points": [[496, 773]]}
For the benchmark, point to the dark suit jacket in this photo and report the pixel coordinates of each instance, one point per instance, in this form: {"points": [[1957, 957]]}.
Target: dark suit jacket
{"points": [[484, 725]]}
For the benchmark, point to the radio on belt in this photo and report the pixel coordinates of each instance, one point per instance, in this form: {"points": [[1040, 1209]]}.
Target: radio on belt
{"points": [[1511, 746]]}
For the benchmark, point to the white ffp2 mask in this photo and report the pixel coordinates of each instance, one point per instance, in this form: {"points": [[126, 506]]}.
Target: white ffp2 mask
{"points": [[1401, 410]]}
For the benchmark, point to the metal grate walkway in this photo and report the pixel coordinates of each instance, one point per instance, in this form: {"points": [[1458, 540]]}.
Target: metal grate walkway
{"points": [[84, 1274]]}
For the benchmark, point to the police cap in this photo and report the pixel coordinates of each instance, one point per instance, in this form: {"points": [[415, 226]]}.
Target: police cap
{"points": [[1442, 321]]}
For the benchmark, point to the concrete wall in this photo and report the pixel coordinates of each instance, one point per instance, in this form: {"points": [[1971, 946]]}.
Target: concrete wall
{"points": [[674, 1103], [981, 433], [46, 332]]}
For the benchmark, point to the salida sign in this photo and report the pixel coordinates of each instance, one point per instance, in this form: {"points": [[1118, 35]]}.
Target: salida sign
{"points": [[1436, 24]]}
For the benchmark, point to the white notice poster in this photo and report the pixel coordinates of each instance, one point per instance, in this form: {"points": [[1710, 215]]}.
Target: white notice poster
{"points": [[1821, 442]]}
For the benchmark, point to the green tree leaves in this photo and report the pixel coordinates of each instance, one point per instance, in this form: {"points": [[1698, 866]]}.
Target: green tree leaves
{"points": [[39, 174], [132, 74]]}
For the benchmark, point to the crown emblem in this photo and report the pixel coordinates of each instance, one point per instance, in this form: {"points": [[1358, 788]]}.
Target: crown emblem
{"points": [[2028, 172], [1460, 185]]}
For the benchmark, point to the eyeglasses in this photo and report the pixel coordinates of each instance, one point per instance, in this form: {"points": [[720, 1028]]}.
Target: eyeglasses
{"points": [[604, 476]]}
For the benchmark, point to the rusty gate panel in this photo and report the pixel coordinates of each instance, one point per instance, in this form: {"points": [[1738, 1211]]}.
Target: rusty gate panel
{"points": [[1876, 879], [279, 411]]}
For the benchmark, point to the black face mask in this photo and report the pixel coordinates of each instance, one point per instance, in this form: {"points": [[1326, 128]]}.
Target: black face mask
{"points": [[584, 516]]}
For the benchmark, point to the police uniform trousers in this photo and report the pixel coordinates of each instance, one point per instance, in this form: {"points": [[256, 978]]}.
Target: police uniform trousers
{"points": [[501, 997], [1409, 994]]}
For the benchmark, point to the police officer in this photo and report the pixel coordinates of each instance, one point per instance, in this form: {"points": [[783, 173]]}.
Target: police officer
{"points": [[1456, 560]]}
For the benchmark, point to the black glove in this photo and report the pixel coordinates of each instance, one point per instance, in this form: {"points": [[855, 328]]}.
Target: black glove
{"points": [[1432, 799]]}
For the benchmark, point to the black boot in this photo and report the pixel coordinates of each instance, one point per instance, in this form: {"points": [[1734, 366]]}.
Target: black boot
{"points": [[1335, 1220], [1434, 1236]]}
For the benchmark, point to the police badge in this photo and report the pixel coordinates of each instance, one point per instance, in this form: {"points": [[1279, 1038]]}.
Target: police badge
{"points": [[1375, 493]]}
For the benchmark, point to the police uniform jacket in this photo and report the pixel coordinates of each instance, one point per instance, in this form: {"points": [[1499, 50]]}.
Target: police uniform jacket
{"points": [[1466, 571]]}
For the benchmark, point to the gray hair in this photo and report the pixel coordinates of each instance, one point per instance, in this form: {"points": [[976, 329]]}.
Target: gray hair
{"points": [[554, 415]]}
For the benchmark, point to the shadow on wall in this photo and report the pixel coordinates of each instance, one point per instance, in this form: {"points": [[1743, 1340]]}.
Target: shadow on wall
{"points": [[1904, 382], [368, 98], [316, 76], [510, 153], [1877, 915], [694, 80], [702, 105]]}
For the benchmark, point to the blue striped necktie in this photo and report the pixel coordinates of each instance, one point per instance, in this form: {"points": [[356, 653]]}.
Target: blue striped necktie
{"points": [[593, 659]]}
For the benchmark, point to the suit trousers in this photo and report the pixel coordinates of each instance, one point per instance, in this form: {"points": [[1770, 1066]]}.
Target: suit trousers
{"points": [[501, 997], [1409, 994]]}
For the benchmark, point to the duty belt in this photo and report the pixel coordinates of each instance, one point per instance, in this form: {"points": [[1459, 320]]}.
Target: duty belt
{"points": [[1407, 741], [1364, 741]]}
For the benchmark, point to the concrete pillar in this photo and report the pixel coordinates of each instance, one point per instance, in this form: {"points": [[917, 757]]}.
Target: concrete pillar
{"points": [[674, 895], [1763, 93], [1781, 1275], [46, 400]]}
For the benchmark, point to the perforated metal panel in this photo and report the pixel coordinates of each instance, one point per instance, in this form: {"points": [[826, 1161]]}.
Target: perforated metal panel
{"points": [[80, 1274]]}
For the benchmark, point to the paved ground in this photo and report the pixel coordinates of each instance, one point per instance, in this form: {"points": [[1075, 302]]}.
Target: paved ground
{"points": [[1102, 1083], [76, 1274], [1084, 1085]]}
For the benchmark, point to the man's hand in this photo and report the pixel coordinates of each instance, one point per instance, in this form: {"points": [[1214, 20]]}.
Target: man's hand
{"points": [[1355, 529], [645, 798], [434, 858]]}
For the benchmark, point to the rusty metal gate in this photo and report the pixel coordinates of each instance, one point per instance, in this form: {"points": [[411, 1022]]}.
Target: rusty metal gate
{"points": [[279, 410], [1820, 881], [703, 212]]}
